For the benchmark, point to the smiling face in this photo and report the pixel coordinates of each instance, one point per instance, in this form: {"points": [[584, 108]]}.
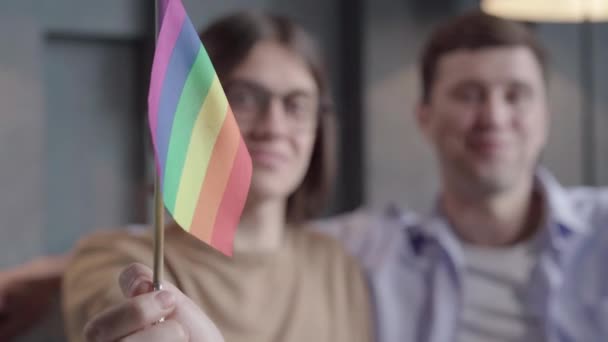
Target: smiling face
{"points": [[275, 100], [486, 116]]}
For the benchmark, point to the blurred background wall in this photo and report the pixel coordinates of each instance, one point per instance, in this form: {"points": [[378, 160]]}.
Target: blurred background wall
{"points": [[73, 77]]}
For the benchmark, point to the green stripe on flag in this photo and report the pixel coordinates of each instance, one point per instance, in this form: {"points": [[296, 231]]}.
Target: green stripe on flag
{"points": [[193, 95], [206, 130]]}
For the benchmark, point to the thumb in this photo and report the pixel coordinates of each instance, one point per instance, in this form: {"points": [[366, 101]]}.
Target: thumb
{"points": [[135, 279]]}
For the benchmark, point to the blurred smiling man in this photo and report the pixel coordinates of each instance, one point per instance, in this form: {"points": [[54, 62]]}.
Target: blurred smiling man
{"points": [[507, 254]]}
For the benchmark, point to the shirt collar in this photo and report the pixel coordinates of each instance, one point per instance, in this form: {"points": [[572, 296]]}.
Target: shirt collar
{"points": [[561, 218]]}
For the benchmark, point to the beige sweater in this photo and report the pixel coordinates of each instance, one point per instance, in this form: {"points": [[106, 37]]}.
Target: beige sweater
{"points": [[310, 290]]}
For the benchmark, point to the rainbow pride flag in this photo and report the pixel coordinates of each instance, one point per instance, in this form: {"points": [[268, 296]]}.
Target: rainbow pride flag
{"points": [[202, 161]]}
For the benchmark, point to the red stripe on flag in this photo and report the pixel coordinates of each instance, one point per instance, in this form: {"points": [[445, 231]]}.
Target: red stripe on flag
{"points": [[228, 215], [216, 178]]}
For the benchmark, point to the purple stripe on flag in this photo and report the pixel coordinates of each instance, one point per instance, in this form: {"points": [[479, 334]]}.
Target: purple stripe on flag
{"points": [[167, 39], [186, 50]]}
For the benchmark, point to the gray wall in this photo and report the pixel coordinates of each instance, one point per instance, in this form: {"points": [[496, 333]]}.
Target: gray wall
{"points": [[94, 137], [22, 130], [64, 106], [53, 61], [601, 102], [400, 165]]}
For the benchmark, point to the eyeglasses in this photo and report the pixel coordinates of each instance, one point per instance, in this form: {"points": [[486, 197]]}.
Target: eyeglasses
{"points": [[250, 101]]}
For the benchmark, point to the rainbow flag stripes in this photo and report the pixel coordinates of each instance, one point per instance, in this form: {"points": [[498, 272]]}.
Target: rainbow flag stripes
{"points": [[202, 161]]}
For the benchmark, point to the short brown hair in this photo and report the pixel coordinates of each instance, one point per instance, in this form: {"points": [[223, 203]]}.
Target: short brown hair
{"points": [[475, 30], [228, 42]]}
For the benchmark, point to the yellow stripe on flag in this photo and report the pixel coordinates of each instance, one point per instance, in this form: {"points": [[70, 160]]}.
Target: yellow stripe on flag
{"points": [[204, 134]]}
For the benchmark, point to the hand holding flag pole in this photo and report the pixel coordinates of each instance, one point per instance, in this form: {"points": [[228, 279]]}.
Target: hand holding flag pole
{"points": [[203, 169]]}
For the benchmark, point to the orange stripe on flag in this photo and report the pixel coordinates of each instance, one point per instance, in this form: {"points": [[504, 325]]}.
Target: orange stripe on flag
{"points": [[216, 178], [226, 220]]}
